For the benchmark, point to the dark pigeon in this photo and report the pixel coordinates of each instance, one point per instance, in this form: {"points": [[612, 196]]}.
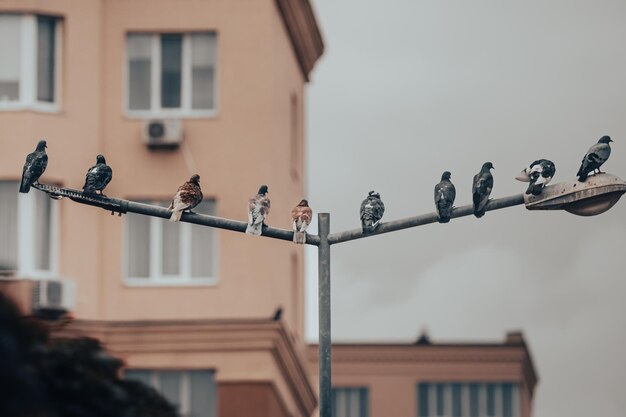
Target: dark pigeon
{"points": [[372, 210], [445, 193], [35, 165], [481, 189], [98, 176], [258, 210], [188, 196], [538, 174], [278, 314], [595, 157]]}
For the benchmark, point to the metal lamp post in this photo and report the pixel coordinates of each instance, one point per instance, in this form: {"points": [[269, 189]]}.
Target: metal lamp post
{"points": [[598, 194]]}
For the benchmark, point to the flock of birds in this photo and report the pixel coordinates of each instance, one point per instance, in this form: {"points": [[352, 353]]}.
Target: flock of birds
{"points": [[538, 174]]}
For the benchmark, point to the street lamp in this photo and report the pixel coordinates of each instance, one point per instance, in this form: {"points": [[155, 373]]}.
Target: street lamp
{"points": [[598, 194], [595, 196]]}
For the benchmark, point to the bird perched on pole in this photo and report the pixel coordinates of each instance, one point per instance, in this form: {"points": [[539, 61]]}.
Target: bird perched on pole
{"points": [[372, 210], [188, 196], [301, 219], [35, 165], [98, 177], [539, 174], [594, 158], [445, 193], [481, 189], [258, 210]]}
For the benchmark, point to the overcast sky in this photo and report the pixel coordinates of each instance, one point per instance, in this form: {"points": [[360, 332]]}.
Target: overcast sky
{"points": [[407, 89]]}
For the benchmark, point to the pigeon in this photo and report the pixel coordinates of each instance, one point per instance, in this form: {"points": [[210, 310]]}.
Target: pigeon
{"points": [[481, 189], [372, 210], [98, 176], [444, 197], [538, 174], [35, 165], [278, 314], [595, 157], [258, 210], [188, 196], [301, 219]]}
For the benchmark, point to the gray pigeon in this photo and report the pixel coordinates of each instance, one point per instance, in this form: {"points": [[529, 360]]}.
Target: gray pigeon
{"points": [[595, 157], [372, 210], [445, 193], [35, 165], [481, 189], [98, 176], [258, 210], [539, 174]]}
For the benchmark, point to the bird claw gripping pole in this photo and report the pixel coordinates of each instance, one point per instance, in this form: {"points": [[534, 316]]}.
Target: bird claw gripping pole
{"points": [[110, 204]]}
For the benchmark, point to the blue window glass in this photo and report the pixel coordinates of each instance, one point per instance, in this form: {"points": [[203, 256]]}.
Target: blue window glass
{"points": [[457, 408], [474, 402], [422, 402], [440, 399], [507, 400], [491, 400]]}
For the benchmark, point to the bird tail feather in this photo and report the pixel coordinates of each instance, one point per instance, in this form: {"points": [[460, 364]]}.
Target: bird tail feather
{"points": [[176, 215], [299, 237], [254, 229], [444, 212], [24, 187]]}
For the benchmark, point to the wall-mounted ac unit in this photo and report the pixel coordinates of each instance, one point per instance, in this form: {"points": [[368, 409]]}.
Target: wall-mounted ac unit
{"points": [[163, 133], [52, 298]]}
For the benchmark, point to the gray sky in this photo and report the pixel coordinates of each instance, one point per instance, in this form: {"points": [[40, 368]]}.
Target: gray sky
{"points": [[407, 89]]}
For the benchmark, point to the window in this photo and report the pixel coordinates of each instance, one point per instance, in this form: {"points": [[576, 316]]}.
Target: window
{"points": [[162, 252], [27, 232], [468, 399], [171, 74], [193, 393], [350, 402], [30, 50]]}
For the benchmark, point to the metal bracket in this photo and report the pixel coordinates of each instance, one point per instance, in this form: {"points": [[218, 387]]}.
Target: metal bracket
{"points": [[113, 205]]}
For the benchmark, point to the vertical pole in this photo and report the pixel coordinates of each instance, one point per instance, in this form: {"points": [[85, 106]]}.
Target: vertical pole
{"points": [[323, 221]]}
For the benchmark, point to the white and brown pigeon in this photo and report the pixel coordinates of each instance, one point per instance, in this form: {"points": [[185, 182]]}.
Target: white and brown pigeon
{"points": [[188, 196], [445, 193], [98, 177], [301, 216], [539, 174], [258, 210], [35, 165], [481, 189], [372, 210], [594, 158]]}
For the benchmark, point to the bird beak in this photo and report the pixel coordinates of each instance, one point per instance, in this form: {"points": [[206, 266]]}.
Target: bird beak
{"points": [[522, 176]]}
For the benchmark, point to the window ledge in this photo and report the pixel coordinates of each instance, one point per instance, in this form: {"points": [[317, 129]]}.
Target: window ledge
{"points": [[176, 282], [38, 107], [173, 114]]}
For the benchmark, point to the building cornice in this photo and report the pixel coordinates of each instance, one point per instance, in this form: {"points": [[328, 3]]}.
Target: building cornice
{"points": [[303, 31], [125, 338], [403, 353]]}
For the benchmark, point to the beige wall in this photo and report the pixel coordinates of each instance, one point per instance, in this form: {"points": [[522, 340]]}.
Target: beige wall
{"points": [[391, 372], [246, 144]]}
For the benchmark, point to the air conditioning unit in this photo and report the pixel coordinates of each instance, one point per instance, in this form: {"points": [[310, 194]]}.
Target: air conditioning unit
{"points": [[52, 298], [166, 133]]}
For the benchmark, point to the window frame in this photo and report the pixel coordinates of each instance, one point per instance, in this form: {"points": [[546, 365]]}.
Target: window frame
{"points": [[431, 408], [26, 235], [185, 386], [363, 392], [156, 111], [28, 49], [155, 266]]}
